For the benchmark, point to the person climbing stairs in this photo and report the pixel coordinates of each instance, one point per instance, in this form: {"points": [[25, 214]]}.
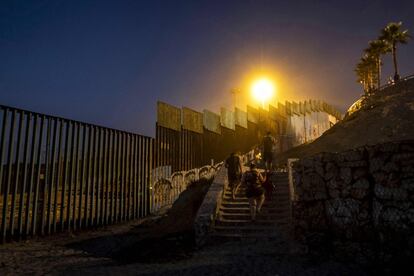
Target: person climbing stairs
{"points": [[234, 221]]}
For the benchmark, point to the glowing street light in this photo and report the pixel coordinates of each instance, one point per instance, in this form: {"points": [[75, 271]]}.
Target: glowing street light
{"points": [[263, 90]]}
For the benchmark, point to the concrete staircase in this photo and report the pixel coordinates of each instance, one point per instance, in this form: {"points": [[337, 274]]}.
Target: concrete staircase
{"points": [[233, 220]]}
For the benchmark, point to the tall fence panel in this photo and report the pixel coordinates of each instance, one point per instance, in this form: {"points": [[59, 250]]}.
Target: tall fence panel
{"points": [[58, 174]]}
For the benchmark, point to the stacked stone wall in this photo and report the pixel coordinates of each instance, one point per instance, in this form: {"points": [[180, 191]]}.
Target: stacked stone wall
{"points": [[361, 199]]}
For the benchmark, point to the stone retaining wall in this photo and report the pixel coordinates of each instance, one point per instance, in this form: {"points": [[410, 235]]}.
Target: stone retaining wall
{"points": [[357, 197]]}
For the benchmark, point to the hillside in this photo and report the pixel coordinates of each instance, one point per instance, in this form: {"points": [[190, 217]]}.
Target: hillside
{"points": [[386, 116]]}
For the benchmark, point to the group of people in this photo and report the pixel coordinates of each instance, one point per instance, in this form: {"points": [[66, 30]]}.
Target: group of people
{"points": [[258, 187]]}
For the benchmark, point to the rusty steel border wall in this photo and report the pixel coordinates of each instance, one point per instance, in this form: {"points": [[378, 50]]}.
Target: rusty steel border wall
{"points": [[205, 136], [61, 175]]}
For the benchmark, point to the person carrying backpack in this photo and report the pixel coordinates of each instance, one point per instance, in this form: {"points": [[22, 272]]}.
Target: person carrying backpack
{"points": [[234, 171], [253, 181]]}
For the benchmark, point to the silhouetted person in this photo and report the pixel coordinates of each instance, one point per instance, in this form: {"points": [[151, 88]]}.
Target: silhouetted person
{"points": [[234, 171], [268, 142], [253, 181]]}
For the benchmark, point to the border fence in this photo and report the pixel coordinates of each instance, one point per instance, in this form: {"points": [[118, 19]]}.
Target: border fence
{"points": [[58, 174]]}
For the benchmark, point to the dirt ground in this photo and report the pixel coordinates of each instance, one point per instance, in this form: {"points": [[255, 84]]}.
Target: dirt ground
{"points": [[109, 252], [162, 245]]}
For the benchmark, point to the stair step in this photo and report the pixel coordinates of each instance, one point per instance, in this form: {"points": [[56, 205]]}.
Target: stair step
{"points": [[275, 198], [275, 194], [246, 216], [244, 236], [276, 188], [246, 204], [275, 211], [280, 178], [242, 223], [244, 220], [270, 204], [284, 182], [281, 186], [243, 195], [245, 229]]}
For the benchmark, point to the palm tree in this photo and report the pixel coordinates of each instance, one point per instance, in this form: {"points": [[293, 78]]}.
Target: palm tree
{"points": [[361, 77], [376, 49], [392, 34], [365, 71]]}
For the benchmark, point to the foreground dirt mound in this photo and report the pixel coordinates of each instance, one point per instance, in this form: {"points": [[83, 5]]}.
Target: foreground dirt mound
{"points": [[386, 116]]}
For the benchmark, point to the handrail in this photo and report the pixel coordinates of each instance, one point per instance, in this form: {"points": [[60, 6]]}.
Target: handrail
{"points": [[358, 103], [382, 87]]}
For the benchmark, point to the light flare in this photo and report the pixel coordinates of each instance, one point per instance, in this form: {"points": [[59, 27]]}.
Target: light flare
{"points": [[263, 90]]}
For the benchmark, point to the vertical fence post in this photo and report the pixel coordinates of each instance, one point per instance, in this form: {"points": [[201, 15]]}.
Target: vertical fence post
{"points": [[3, 144], [140, 158], [52, 177], [134, 176], [83, 176], [17, 173], [8, 176], [98, 178], [107, 173], [76, 198], [88, 176], [37, 183], [112, 177], [104, 180], [65, 177], [25, 164], [58, 176], [130, 183], [93, 175], [71, 177], [30, 187], [123, 178], [46, 195], [118, 176]]}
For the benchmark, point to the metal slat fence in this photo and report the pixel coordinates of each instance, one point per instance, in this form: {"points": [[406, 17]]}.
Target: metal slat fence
{"points": [[60, 175]]}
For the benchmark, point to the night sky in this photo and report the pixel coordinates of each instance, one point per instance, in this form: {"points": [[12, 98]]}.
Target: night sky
{"points": [[108, 62]]}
